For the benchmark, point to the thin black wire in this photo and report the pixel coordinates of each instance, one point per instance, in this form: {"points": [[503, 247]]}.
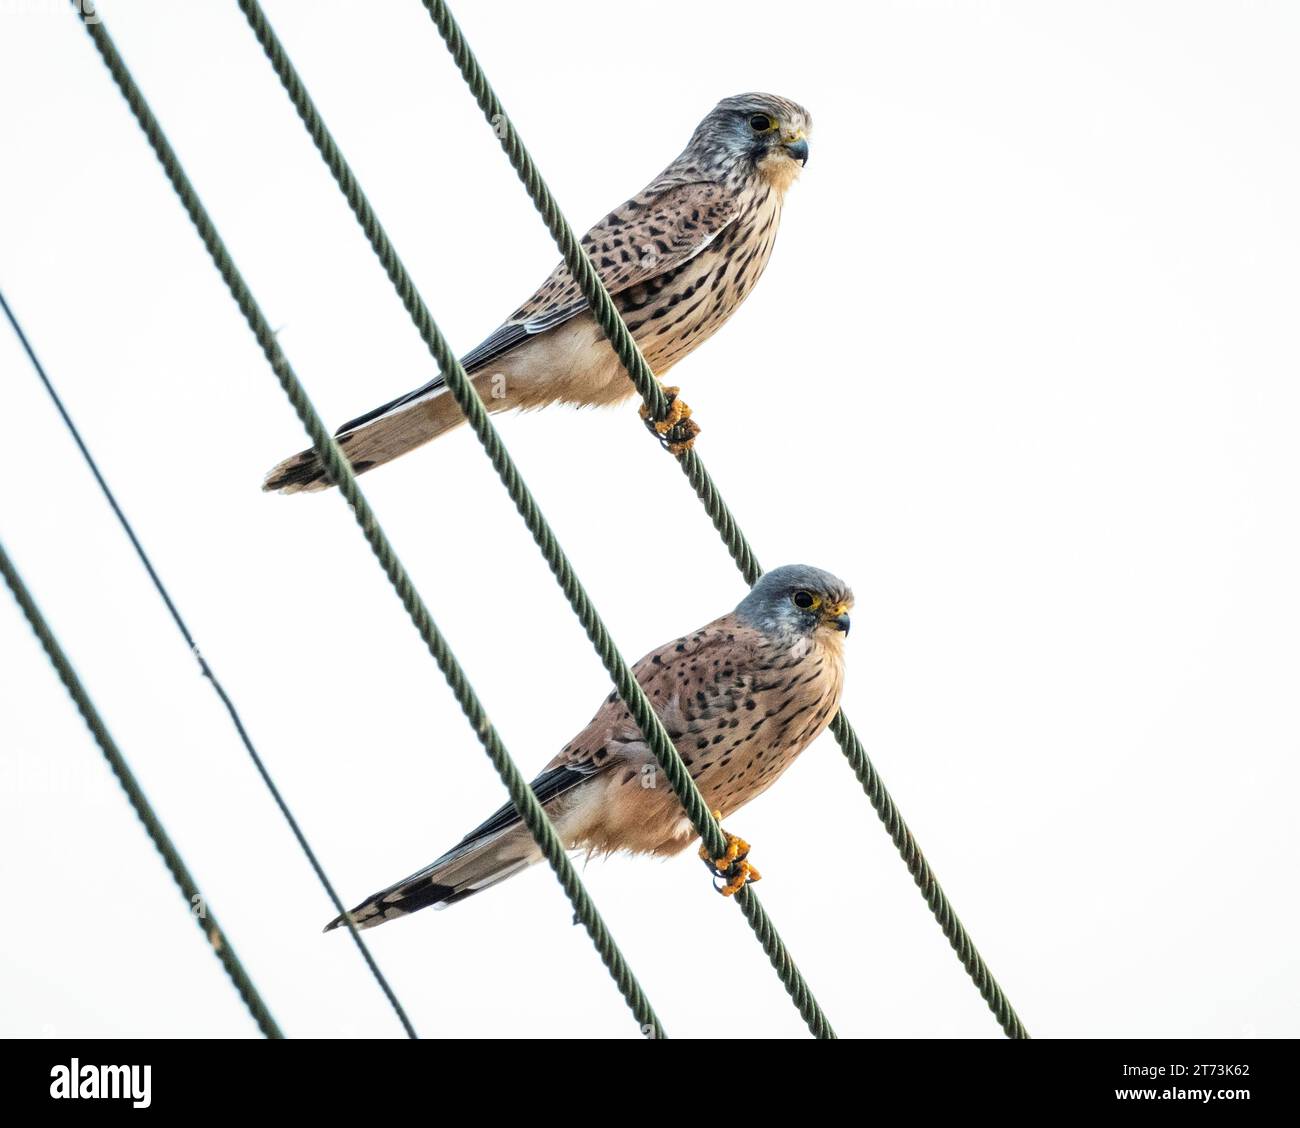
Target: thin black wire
{"points": [[647, 385], [194, 899], [204, 667], [521, 795]]}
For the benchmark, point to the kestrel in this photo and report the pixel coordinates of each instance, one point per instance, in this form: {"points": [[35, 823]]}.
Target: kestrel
{"points": [[740, 698], [679, 258]]}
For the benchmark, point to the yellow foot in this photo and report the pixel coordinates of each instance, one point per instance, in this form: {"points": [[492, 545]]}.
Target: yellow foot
{"points": [[732, 868], [676, 430]]}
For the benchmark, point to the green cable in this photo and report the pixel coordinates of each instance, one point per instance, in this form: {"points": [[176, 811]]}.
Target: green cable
{"points": [[647, 385], [205, 667], [194, 900], [660, 744], [521, 795]]}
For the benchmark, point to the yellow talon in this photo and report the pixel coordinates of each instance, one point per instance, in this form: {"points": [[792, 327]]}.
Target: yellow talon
{"points": [[733, 868], [677, 411], [746, 874], [676, 430]]}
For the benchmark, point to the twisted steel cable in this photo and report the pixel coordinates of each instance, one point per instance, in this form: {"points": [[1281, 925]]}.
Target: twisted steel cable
{"points": [[459, 385], [647, 385], [207, 922], [521, 795], [923, 875], [205, 668]]}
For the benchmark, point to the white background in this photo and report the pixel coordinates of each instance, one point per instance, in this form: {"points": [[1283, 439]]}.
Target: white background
{"points": [[1022, 370]]}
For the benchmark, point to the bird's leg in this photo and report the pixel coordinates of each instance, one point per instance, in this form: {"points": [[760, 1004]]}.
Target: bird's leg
{"points": [[676, 430], [732, 868]]}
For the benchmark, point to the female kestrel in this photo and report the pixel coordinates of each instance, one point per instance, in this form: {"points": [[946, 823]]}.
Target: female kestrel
{"points": [[679, 258], [740, 698]]}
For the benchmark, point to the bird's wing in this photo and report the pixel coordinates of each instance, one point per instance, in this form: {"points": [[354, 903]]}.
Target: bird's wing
{"points": [[653, 233], [650, 235], [691, 676], [553, 782], [683, 678]]}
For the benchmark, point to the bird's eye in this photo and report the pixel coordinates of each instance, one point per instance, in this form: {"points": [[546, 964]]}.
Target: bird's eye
{"points": [[760, 123], [804, 600]]}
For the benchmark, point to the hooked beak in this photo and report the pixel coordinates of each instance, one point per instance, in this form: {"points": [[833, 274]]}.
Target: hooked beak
{"points": [[836, 616], [798, 150]]}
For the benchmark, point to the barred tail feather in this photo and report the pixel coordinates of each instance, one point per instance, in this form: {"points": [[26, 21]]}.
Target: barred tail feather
{"points": [[456, 875], [369, 443]]}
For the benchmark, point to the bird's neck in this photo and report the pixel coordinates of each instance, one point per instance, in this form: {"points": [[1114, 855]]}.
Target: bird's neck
{"points": [[778, 171]]}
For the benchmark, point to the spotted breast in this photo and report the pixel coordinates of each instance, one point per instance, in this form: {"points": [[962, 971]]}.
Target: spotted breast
{"points": [[672, 314], [740, 706]]}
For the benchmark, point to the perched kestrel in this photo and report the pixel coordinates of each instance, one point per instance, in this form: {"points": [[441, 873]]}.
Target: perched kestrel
{"points": [[741, 698], [679, 258]]}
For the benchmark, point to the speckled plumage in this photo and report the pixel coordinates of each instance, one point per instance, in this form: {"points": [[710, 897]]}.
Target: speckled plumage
{"points": [[741, 698], [679, 258]]}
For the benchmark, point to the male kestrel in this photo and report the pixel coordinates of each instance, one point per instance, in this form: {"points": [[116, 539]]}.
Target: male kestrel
{"points": [[679, 258], [741, 698]]}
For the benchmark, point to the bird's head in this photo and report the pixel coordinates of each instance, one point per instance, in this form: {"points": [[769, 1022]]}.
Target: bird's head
{"points": [[760, 134], [798, 601]]}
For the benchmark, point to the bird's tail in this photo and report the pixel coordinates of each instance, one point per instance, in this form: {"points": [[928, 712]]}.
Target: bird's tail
{"points": [[460, 873], [370, 441]]}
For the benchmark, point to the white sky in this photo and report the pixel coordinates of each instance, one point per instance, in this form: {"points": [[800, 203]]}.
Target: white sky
{"points": [[1022, 370]]}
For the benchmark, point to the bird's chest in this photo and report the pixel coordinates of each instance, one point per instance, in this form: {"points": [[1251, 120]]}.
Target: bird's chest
{"points": [[674, 313], [738, 749]]}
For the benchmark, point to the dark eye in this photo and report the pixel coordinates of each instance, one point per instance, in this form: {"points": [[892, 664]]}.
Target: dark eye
{"points": [[760, 123], [804, 599]]}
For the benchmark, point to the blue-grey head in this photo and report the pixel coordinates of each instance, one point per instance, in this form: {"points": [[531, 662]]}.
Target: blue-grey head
{"points": [[797, 601], [753, 133]]}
